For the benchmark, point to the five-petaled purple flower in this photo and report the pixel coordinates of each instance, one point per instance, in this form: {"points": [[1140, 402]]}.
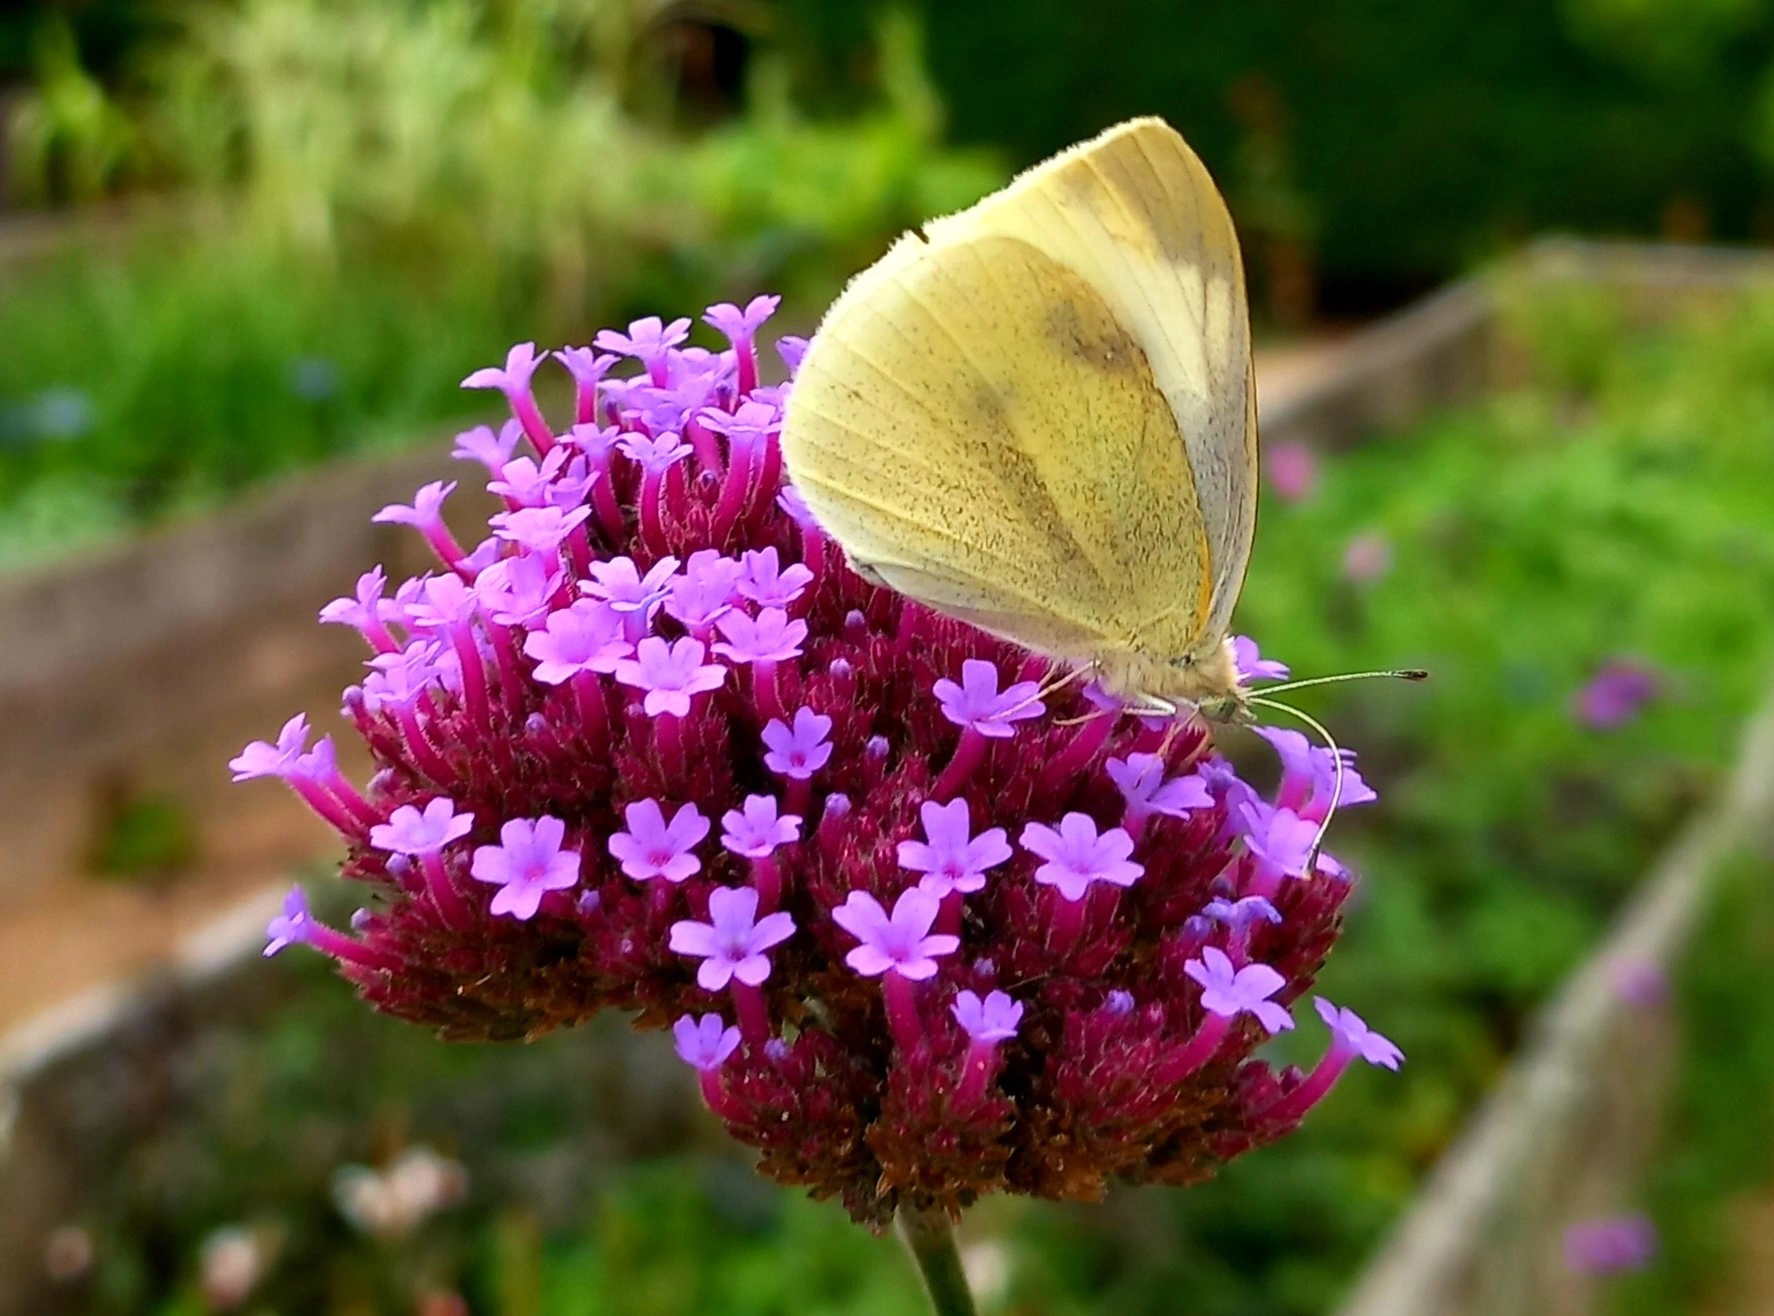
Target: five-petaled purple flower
{"points": [[734, 942], [519, 591], [1251, 664], [742, 324], [950, 857], [670, 674], [409, 831], [977, 704], [1279, 837], [1230, 992], [514, 377], [757, 830], [538, 529], [586, 637], [704, 1044], [994, 1019], [1349, 1032], [1078, 856], [620, 584], [652, 848], [769, 585], [800, 751], [704, 593], [527, 863], [260, 759], [901, 943], [770, 637], [292, 925], [650, 341], [1140, 779]]}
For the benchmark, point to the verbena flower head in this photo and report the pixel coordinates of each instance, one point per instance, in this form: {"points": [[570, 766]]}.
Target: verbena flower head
{"points": [[926, 928]]}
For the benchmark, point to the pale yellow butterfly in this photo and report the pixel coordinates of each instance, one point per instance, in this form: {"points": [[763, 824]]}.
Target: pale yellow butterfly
{"points": [[1039, 415]]}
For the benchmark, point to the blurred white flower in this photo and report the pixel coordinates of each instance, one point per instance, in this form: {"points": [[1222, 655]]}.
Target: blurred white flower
{"points": [[393, 1202], [231, 1264]]}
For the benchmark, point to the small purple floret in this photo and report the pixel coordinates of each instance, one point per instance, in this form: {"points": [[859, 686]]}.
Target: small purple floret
{"points": [[977, 704], [733, 944], [1077, 856], [756, 831], [950, 857], [652, 848], [704, 1044], [1230, 992], [1350, 1032], [669, 674], [292, 925], [798, 752], [901, 943], [527, 863], [411, 832], [994, 1019]]}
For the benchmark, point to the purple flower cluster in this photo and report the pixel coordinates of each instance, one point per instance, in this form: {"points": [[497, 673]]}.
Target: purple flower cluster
{"points": [[926, 924]]}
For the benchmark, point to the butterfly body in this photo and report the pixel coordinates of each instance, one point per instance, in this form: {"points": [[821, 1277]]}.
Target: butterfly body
{"points": [[1038, 415]]}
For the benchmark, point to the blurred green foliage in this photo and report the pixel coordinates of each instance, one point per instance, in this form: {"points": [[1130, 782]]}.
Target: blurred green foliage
{"points": [[1615, 503], [399, 191], [1711, 1189], [1618, 505], [1384, 143], [1413, 140]]}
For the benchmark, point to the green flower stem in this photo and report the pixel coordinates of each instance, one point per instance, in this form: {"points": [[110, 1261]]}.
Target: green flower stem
{"points": [[931, 1239]]}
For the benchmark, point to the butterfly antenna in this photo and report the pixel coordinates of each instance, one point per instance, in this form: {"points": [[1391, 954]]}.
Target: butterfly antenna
{"points": [[1336, 751], [1400, 674]]}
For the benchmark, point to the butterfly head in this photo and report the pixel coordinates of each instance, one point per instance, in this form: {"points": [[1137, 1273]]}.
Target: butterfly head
{"points": [[1206, 680]]}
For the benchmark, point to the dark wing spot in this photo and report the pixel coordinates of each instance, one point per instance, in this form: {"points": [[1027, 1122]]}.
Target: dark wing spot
{"points": [[1091, 334]]}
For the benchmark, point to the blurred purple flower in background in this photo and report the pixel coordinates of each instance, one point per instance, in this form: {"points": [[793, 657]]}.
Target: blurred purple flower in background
{"points": [[880, 993], [1366, 558], [1293, 471], [1617, 693], [1610, 1245]]}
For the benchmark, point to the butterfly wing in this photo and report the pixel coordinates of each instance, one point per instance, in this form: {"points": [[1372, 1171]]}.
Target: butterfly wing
{"points": [[1040, 418]]}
